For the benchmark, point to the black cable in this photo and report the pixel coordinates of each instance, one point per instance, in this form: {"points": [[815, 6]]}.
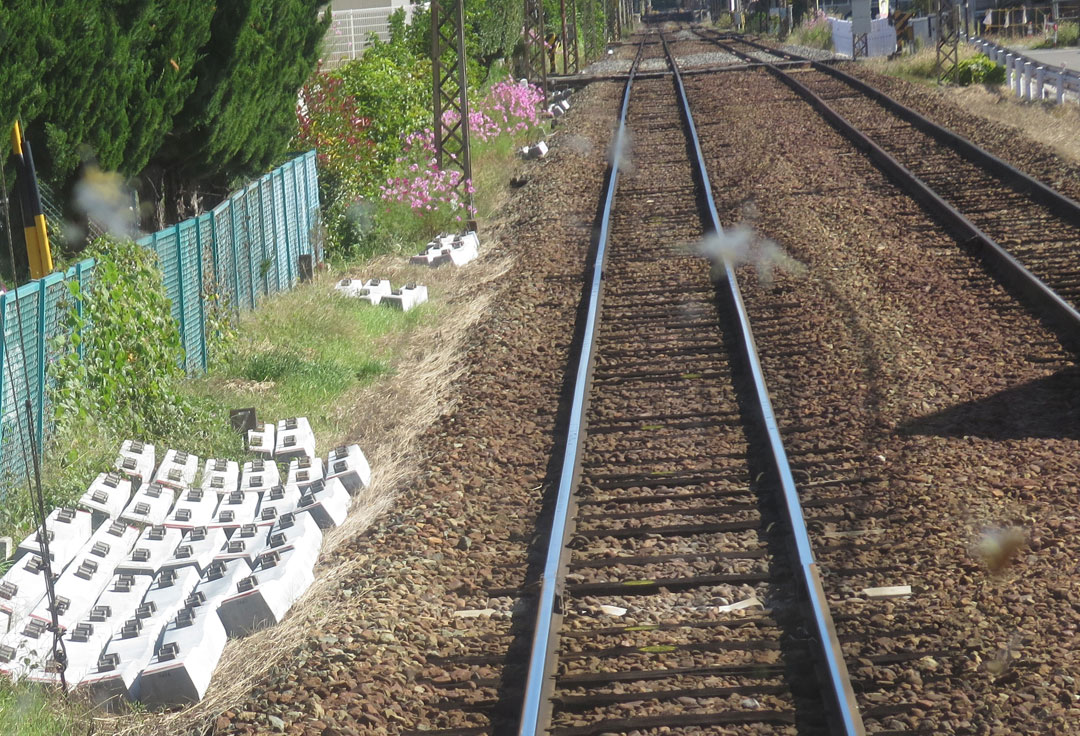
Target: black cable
{"points": [[36, 493]]}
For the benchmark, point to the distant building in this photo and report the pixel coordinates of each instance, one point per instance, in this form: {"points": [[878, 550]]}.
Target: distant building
{"points": [[353, 23]]}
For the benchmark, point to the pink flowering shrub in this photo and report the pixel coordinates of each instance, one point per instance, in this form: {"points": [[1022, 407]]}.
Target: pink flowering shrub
{"points": [[506, 110]]}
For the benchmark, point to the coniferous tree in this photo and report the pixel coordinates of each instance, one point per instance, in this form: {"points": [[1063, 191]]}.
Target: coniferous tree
{"points": [[242, 113]]}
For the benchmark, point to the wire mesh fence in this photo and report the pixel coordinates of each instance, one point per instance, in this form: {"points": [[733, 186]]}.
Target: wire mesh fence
{"points": [[248, 247]]}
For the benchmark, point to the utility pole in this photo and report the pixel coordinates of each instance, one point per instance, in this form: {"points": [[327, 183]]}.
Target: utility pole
{"points": [[450, 100]]}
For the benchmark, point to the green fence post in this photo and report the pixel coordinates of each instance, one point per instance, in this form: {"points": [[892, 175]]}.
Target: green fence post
{"points": [[307, 210], [180, 293], [263, 266], [202, 290], [235, 265], [285, 229]]}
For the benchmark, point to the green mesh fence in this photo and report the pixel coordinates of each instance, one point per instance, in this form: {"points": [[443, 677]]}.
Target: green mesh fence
{"points": [[245, 249]]}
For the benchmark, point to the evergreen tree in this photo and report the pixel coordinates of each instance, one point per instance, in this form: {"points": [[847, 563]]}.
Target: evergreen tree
{"points": [[239, 119]]}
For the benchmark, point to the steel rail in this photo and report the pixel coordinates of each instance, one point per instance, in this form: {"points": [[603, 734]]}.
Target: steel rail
{"points": [[539, 682], [1010, 270], [841, 698]]}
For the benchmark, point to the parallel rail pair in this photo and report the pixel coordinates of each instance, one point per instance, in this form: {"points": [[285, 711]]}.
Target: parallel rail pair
{"points": [[836, 696]]}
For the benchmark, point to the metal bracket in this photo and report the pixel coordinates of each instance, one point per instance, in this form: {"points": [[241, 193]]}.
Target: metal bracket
{"points": [[450, 95]]}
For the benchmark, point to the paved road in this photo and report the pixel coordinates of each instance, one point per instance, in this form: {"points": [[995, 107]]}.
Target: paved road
{"points": [[1055, 57]]}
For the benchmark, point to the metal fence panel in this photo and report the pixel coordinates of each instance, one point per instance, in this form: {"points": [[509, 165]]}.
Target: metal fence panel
{"points": [[248, 246]]}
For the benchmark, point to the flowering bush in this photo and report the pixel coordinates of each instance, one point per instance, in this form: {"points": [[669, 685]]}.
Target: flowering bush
{"points": [[507, 109]]}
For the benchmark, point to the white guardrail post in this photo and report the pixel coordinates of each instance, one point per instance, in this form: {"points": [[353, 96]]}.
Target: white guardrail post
{"points": [[1040, 80], [1059, 86], [1027, 81]]}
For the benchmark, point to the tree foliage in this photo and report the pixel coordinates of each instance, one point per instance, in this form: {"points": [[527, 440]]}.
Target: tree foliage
{"points": [[202, 89]]}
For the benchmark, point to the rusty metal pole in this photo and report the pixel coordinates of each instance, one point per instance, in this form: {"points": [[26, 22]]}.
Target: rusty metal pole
{"points": [[450, 95], [563, 39], [574, 52]]}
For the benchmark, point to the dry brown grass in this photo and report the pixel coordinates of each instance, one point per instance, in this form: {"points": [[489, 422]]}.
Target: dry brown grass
{"points": [[387, 419], [1056, 126]]}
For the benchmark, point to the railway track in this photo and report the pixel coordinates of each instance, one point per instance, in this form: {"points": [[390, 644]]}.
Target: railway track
{"points": [[1024, 230], [687, 520]]}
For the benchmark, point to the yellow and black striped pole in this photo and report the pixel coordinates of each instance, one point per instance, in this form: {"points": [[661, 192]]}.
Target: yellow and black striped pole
{"points": [[37, 235]]}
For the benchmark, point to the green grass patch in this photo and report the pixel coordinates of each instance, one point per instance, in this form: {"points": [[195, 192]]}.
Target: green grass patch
{"points": [[28, 709], [918, 67], [302, 352]]}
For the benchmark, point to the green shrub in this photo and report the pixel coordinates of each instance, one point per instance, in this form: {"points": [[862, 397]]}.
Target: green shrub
{"points": [[979, 69], [126, 378], [814, 32]]}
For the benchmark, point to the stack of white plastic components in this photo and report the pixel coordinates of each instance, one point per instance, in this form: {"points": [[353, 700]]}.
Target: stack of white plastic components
{"points": [[559, 103], [456, 249], [379, 291], [160, 564]]}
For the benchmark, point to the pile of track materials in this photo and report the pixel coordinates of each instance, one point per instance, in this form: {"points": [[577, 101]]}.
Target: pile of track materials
{"points": [[155, 570], [381, 291], [457, 249]]}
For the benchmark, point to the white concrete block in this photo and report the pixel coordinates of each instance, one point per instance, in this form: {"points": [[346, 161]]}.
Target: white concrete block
{"points": [[218, 583], [167, 595], [21, 590], [235, 510], [80, 585], [348, 464], [303, 471], [407, 297], [221, 476], [177, 470], [261, 440], [277, 501], [151, 504], [155, 545], [263, 598], [25, 649], [82, 645], [299, 531], [181, 668], [258, 476], [194, 508], [294, 439], [371, 290], [531, 153], [196, 549], [107, 496], [327, 501], [67, 531], [246, 543], [115, 674], [136, 460], [118, 602]]}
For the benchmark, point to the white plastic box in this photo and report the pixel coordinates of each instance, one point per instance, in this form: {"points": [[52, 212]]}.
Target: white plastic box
{"points": [[407, 297], [263, 598], [150, 505], [221, 476], [181, 668], [327, 502], [155, 545], [178, 469], [259, 476], [294, 439], [261, 440], [194, 508], [348, 464]]}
